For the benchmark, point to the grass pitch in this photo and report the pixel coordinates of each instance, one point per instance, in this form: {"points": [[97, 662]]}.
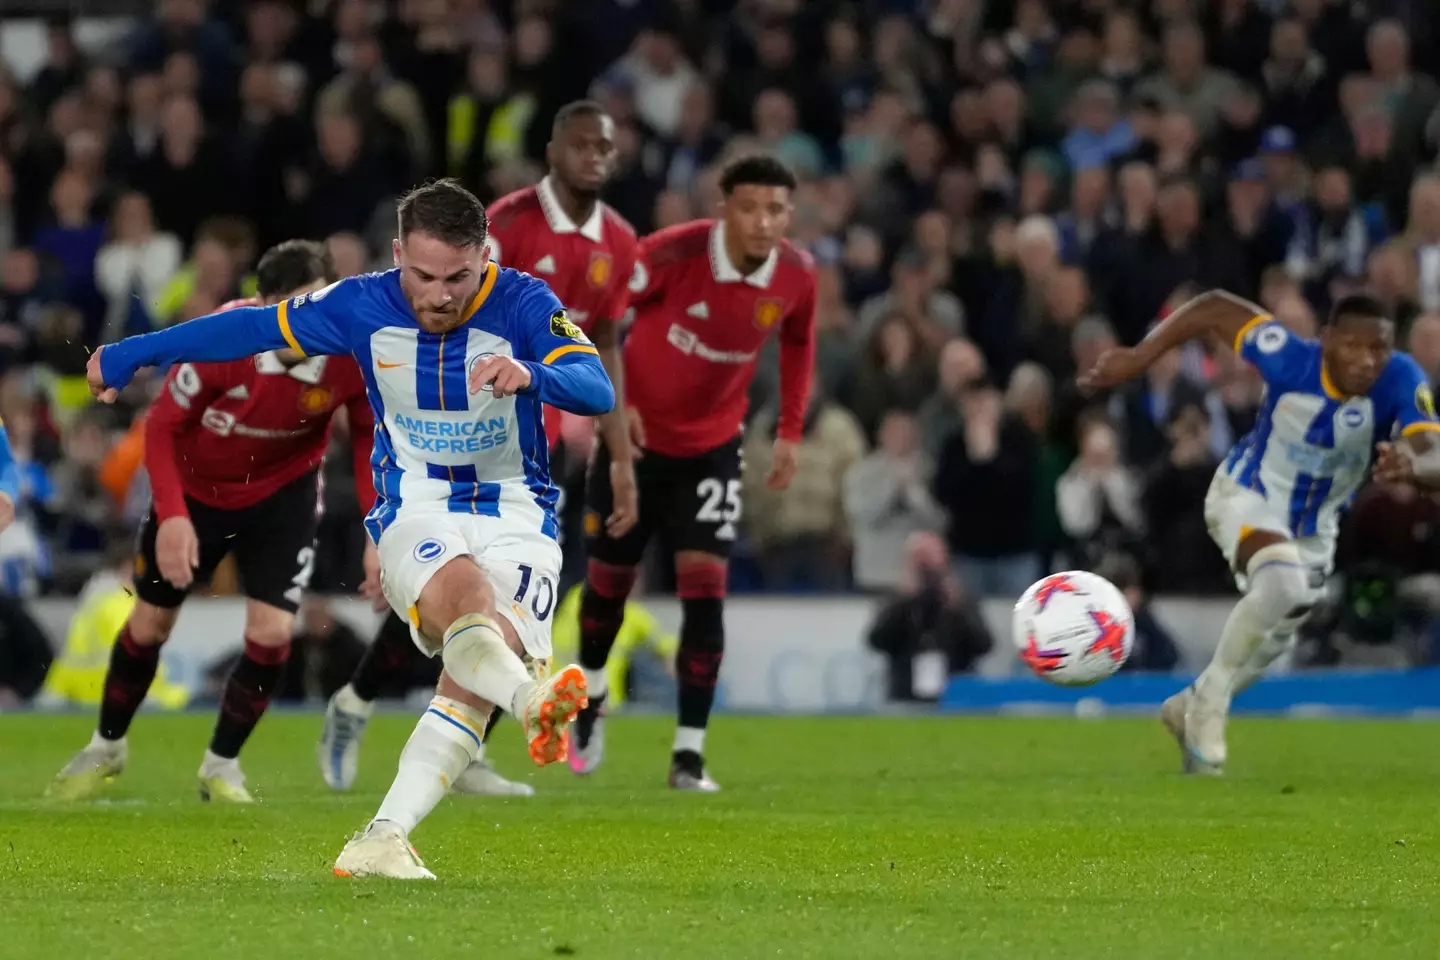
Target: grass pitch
{"points": [[933, 838]]}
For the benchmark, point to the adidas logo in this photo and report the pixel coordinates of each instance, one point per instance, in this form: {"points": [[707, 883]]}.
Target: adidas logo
{"points": [[545, 264], [698, 310], [238, 393]]}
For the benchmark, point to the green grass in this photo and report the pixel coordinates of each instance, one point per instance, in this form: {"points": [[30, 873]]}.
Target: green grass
{"points": [[936, 838]]}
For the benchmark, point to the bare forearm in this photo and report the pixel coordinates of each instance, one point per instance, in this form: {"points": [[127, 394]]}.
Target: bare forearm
{"points": [[1214, 312], [1424, 454]]}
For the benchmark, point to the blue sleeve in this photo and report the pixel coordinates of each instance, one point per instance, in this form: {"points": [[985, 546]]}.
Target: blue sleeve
{"points": [[313, 324], [1408, 395], [1283, 359], [9, 473], [565, 368]]}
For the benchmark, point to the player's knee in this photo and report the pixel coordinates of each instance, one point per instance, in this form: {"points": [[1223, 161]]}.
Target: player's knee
{"points": [[150, 625], [705, 578], [458, 588], [1280, 583], [267, 648], [609, 580]]}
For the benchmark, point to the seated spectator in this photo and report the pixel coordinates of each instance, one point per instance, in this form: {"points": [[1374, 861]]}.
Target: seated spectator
{"points": [[1181, 557], [1098, 498], [887, 499], [931, 629], [801, 531]]}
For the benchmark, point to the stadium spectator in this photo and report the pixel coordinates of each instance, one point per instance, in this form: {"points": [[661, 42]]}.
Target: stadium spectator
{"points": [[931, 628], [887, 498], [961, 367], [133, 268], [1176, 553], [802, 532], [1098, 498], [1423, 343], [984, 479]]}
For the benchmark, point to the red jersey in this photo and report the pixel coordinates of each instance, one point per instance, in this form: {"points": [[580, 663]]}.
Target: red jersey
{"points": [[587, 264], [231, 434], [699, 326]]}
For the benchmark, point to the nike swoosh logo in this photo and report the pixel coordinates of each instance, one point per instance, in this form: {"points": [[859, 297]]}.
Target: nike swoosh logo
{"points": [[388, 366]]}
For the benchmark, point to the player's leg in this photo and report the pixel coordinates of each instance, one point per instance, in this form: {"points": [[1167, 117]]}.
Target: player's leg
{"points": [[447, 742], [135, 658], [350, 707], [244, 699], [274, 547], [1277, 597], [702, 526], [610, 576]]}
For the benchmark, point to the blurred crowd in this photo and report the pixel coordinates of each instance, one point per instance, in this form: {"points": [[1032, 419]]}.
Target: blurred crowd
{"points": [[995, 191]]}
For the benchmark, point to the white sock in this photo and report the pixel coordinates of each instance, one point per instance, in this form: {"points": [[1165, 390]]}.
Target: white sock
{"points": [[443, 745], [690, 738], [477, 657], [98, 741], [349, 701], [597, 683], [480, 751], [212, 762], [1275, 645], [1278, 585]]}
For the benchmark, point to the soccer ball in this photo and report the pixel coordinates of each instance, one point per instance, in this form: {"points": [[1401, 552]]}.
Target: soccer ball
{"points": [[1073, 628]]}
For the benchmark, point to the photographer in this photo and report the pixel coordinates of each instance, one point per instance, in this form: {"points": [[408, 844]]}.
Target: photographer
{"points": [[930, 630]]}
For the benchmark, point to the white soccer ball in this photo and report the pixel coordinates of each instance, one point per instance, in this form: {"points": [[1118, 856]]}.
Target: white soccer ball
{"points": [[1073, 628]]}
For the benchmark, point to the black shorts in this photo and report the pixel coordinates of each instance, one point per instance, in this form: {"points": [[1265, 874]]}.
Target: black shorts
{"points": [[273, 542], [693, 503]]}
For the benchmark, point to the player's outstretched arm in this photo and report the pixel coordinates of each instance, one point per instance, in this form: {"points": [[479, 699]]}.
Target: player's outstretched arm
{"points": [[302, 324], [1213, 313]]}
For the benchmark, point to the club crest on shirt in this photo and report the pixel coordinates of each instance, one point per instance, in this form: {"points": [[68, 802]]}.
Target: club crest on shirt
{"points": [[561, 326], [1271, 339], [1425, 401], [598, 273], [767, 312], [315, 399]]}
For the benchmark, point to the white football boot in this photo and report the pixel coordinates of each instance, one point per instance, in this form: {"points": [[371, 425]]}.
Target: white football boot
{"points": [[90, 770], [381, 850], [339, 749], [1204, 734], [222, 780]]}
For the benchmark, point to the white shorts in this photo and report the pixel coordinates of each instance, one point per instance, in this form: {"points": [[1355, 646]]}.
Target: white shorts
{"points": [[1232, 512], [522, 565]]}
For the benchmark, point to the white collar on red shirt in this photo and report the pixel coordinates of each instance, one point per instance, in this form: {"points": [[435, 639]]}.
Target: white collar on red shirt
{"points": [[309, 370], [727, 272], [560, 222]]}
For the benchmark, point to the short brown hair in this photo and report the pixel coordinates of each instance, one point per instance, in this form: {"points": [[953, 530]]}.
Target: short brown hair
{"points": [[446, 211]]}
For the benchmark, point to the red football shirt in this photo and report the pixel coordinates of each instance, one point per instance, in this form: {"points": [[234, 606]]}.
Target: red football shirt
{"points": [[231, 434], [587, 265], [699, 326]]}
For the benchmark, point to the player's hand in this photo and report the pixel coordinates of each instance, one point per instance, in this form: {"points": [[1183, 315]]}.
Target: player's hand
{"points": [[1393, 464], [177, 551], [783, 463], [97, 380], [7, 510], [370, 589], [1115, 366], [624, 499], [502, 376], [636, 428]]}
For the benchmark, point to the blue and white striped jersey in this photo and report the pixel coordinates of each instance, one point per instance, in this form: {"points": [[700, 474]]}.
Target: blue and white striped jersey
{"points": [[437, 446], [1312, 447]]}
